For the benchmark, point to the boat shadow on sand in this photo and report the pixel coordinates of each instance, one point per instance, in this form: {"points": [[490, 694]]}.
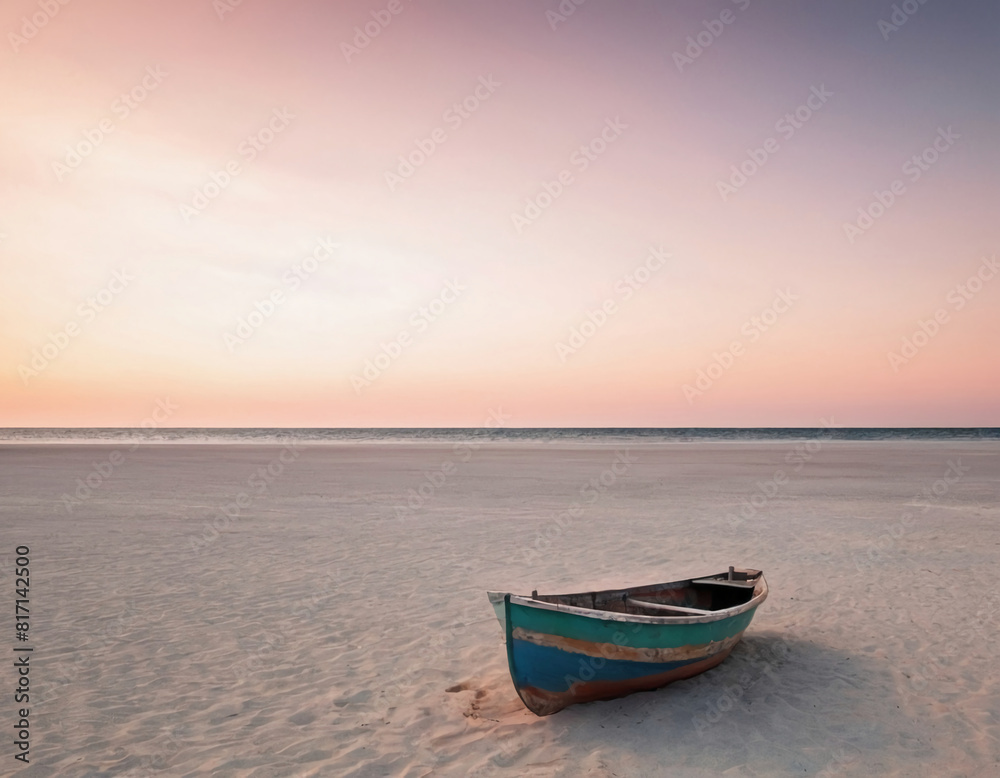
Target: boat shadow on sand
{"points": [[772, 694]]}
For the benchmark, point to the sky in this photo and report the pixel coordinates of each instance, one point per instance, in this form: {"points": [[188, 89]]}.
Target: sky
{"points": [[406, 213]]}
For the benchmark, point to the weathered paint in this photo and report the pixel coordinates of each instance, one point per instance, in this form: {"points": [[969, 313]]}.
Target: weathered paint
{"points": [[643, 635], [543, 702], [629, 653], [560, 656]]}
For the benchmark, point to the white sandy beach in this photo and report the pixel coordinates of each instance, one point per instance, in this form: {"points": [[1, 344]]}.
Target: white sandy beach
{"points": [[329, 629]]}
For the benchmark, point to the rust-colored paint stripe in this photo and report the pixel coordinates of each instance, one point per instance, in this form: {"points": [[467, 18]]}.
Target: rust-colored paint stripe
{"points": [[543, 703], [628, 653]]}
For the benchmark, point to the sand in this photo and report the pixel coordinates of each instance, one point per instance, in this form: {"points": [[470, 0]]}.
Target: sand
{"points": [[337, 624]]}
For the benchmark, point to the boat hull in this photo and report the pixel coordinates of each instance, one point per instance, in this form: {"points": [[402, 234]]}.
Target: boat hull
{"points": [[544, 702], [561, 656]]}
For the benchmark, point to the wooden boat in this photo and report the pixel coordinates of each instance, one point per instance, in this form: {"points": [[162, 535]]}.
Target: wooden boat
{"points": [[564, 649]]}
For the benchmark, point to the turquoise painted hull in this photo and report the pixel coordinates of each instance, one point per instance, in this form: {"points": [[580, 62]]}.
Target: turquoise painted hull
{"points": [[567, 649]]}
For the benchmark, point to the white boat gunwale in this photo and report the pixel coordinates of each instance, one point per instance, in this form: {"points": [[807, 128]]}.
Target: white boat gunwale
{"points": [[759, 595]]}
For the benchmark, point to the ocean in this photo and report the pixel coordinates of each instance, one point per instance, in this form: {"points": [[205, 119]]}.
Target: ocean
{"points": [[265, 435]]}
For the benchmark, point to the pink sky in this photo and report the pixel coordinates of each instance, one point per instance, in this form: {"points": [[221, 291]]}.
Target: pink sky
{"points": [[458, 296]]}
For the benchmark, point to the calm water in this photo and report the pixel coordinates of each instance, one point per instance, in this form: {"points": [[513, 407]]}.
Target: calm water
{"points": [[456, 434]]}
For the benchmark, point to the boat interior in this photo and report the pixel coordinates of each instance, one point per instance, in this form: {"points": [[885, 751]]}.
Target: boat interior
{"points": [[694, 597]]}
